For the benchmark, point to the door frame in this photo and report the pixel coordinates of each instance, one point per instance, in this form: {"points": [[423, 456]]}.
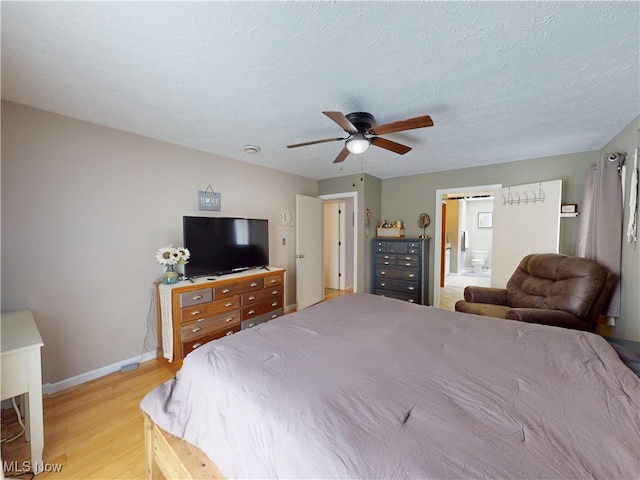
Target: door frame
{"points": [[437, 251], [354, 195]]}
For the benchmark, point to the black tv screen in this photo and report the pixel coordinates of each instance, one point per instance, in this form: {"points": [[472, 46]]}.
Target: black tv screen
{"points": [[221, 245]]}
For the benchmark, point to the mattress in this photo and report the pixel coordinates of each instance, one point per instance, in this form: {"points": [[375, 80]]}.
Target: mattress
{"points": [[364, 386]]}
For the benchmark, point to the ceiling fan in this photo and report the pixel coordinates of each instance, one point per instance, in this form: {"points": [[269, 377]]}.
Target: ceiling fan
{"points": [[362, 132]]}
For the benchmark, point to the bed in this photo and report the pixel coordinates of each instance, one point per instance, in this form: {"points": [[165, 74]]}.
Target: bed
{"points": [[364, 386]]}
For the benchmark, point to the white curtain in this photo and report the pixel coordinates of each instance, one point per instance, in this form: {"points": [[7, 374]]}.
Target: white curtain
{"points": [[600, 226]]}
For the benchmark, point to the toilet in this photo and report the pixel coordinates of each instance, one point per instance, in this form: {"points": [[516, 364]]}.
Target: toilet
{"points": [[478, 259]]}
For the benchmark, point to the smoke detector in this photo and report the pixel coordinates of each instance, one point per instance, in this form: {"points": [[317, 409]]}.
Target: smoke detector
{"points": [[251, 149]]}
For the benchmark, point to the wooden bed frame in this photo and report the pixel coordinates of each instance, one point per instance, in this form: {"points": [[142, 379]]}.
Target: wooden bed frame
{"points": [[171, 458]]}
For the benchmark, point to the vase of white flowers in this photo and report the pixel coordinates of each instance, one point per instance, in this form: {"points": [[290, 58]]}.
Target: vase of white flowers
{"points": [[169, 257]]}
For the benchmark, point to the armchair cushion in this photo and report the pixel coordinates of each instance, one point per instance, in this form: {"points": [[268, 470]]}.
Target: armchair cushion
{"points": [[551, 289]]}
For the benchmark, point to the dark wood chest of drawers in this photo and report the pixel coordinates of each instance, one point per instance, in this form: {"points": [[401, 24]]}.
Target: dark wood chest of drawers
{"points": [[401, 268]]}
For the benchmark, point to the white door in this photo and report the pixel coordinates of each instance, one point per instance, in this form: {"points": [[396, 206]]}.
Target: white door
{"points": [[526, 219], [331, 242], [334, 245], [309, 255]]}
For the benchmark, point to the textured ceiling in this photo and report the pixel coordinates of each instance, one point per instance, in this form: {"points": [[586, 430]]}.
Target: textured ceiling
{"points": [[503, 81]]}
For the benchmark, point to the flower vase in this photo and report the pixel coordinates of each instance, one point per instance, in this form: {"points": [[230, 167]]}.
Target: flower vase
{"points": [[170, 276]]}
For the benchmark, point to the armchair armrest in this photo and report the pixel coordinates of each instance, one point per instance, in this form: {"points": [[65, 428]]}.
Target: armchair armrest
{"points": [[558, 318], [494, 296]]}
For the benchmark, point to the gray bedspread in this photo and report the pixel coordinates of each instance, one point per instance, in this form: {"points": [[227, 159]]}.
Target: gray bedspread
{"points": [[365, 386]]}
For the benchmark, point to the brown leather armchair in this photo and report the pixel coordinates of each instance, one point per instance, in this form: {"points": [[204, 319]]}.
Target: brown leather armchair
{"points": [[547, 288]]}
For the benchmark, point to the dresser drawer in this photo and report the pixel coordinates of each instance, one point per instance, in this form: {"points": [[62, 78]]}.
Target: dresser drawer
{"points": [[196, 297], [261, 295], [231, 289], [206, 326], [265, 317], [408, 297], [397, 286], [258, 309], [391, 247], [206, 310], [386, 259], [192, 345], [408, 261], [273, 280], [400, 273]]}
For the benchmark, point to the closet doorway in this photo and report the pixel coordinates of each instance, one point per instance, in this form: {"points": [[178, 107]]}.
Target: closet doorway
{"points": [[339, 244]]}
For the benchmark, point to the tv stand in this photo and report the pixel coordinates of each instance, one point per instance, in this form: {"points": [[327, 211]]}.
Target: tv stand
{"points": [[194, 312]]}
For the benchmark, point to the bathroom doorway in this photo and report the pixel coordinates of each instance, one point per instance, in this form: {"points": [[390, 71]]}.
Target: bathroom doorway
{"points": [[465, 242]]}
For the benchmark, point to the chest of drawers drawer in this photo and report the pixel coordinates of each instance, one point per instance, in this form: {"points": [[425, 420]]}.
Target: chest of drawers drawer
{"points": [[207, 326], [399, 273], [261, 295], [260, 308], [211, 308], [195, 343]]}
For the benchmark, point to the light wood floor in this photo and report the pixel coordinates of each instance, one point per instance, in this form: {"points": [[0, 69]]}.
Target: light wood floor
{"points": [[92, 431], [453, 289]]}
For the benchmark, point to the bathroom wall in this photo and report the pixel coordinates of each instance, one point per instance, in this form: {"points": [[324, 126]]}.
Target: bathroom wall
{"points": [[479, 238]]}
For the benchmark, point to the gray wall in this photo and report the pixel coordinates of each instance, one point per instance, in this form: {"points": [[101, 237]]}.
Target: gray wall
{"points": [[628, 326], [85, 208], [406, 197]]}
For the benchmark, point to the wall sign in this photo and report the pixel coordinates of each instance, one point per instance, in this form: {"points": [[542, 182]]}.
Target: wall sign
{"points": [[209, 200]]}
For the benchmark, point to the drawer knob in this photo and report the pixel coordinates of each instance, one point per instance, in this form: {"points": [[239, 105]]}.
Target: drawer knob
{"points": [[228, 304], [254, 284], [273, 280], [411, 289], [196, 330], [251, 325], [230, 332], [195, 312], [275, 315], [408, 264], [383, 284], [411, 275], [251, 312], [274, 304], [382, 272], [196, 345], [252, 298], [275, 292], [196, 297], [411, 300], [386, 263], [226, 290], [230, 319]]}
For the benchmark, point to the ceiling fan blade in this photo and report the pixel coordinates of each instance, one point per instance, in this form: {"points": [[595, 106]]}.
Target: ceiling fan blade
{"points": [[341, 120], [344, 153], [417, 122], [389, 145], [315, 141]]}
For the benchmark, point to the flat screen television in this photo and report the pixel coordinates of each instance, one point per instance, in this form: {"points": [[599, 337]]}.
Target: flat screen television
{"points": [[220, 245]]}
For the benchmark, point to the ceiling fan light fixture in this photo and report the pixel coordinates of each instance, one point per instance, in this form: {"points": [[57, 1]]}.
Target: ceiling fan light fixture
{"points": [[358, 143]]}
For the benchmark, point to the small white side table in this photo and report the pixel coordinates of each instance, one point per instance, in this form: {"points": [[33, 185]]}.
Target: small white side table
{"points": [[22, 374]]}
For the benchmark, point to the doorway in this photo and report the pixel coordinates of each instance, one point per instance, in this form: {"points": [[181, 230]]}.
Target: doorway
{"points": [[340, 243], [463, 239]]}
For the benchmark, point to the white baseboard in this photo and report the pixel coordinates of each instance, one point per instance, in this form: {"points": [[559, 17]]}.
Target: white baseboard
{"points": [[49, 388]]}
